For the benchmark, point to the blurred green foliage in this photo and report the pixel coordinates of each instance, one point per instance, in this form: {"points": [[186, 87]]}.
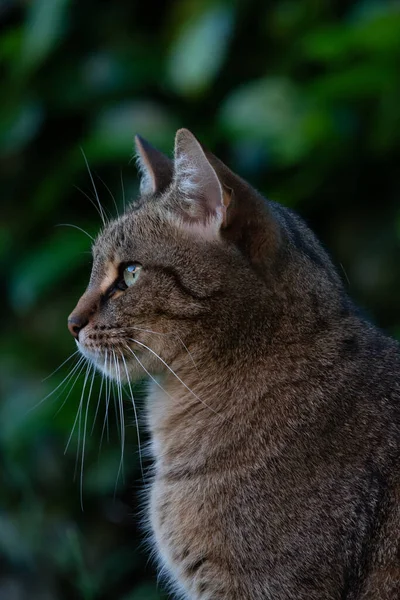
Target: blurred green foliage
{"points": [[301, 98]]}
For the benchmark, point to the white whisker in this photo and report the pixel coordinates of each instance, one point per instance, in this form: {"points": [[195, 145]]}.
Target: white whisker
{"points": [[102, 213], [136, 417], [101, 389], [121, 416], [149, 374], [165, 334], [63, 382], [179, 379], [75, 227], [89, 367], [123, 190], [92, 202], [78, 374], [109, 191], [62, 364], [84, 437], [115, 389], [105, 421]]}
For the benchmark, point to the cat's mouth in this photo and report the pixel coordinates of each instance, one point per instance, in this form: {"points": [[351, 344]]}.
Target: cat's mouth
{"points": [[109, 362], [116, 362], [119, 357]]}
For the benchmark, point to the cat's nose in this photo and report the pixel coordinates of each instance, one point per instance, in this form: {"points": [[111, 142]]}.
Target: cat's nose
{"points": [[83, 311], [76, 323]]}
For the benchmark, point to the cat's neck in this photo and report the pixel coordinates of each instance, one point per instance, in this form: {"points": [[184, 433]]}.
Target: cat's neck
{"points": [[223, 400]]}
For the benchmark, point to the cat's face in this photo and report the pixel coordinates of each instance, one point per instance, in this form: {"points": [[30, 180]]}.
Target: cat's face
{"points": [[163, 279], [150, 285]]}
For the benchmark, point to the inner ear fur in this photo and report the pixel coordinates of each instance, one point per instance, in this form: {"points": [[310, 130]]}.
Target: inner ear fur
{"points": [[197, 183]]}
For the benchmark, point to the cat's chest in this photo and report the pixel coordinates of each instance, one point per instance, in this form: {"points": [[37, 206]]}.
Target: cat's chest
{"points": [[179, 501], [178, 432]]}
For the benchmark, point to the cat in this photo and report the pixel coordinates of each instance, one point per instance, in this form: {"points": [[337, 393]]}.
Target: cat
{"points": [[273, 404]]}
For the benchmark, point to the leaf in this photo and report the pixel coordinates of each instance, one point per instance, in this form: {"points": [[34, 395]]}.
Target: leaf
{"points": [[44, 267], [145, 591], [269, 110], [18, 125], [199, 51], [114, 129], [45, 27]]}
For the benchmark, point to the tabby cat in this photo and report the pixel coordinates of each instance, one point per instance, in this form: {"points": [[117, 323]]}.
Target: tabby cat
{"points": [[273, 405]]}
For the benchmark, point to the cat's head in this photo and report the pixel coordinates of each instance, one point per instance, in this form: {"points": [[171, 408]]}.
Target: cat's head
{"points": [[200, 260], [171, 272]]}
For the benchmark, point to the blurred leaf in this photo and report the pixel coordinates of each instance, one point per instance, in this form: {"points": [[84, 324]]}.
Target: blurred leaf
{"points": [[10, 44], [144, 592], [114, 129], [341, 42], [44, 267], [328, 44], [18, 125], [354, 82], [101, 478], [305, 106], [270, 110], [198, 52], [45, 26], [12, 543], [5, 242], [86, 582], [380, 34]]}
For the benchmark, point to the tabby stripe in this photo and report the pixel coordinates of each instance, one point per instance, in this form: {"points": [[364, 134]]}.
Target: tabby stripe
{"points": [[173, 274]]}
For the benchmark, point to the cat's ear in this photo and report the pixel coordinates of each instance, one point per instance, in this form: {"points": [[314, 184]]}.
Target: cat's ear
{"points": [[155, 168], [205, 199]]}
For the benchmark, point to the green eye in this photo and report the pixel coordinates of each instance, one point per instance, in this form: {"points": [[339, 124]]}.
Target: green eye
{"points": [[131, 274]]}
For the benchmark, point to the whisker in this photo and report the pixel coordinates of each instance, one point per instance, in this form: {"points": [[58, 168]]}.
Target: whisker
{"points": [[63, 382], [75, 227], [179, 379], [162, 333], [109, 191], [108, 393], [84, 437], [62, 364], [145, 330], [71, 388], [79, 415], [91, 202], [136, 417], [123, 190], [101, 389], [89, 367], [102, 213], [121, 416], [159, 455], [115, 388], [149, 374]]}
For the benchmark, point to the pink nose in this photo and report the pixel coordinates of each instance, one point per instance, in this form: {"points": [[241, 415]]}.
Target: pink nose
{"points": [[75, 324]]}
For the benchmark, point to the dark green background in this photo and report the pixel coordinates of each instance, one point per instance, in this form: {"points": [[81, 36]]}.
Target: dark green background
{"points": [[301, 97]]}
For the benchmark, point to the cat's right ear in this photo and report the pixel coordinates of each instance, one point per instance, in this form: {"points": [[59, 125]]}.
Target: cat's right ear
{"points": [[155, 168]]}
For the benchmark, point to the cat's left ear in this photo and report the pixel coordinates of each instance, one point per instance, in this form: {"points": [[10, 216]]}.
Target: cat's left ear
{"points": [[155, 168], [205, 199]]}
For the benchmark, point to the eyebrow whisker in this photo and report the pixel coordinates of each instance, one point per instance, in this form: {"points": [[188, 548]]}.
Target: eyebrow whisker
{"points": [[101, 209]]}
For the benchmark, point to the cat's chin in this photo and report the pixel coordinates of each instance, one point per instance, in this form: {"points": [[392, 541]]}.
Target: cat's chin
{"points": [[112, 365]]}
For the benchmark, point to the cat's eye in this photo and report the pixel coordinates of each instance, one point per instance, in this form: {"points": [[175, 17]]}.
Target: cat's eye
{"points": [[131, 274]]}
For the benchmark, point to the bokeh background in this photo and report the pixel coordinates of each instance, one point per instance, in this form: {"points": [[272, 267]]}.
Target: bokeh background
{"points": [[300, 97]]}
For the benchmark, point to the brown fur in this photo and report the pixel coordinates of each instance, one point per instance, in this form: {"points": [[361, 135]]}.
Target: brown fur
{"points": [[276, 451]]}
